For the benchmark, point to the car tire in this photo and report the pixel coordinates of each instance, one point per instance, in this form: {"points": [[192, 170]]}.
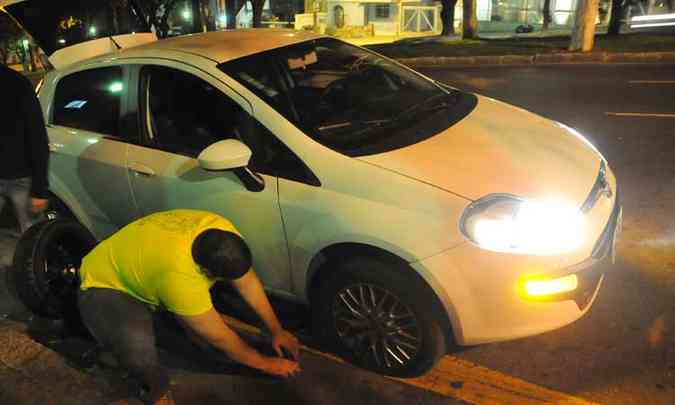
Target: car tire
{"points": [[398, 298], [46, 263]]}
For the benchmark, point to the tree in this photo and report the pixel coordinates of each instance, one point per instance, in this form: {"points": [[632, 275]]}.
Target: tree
{"points": [[10, 37], [583, 32], [547, 15], [233, 7], [257, 12], [616, 13], [156, 14], [448, 16], [469, 19]]}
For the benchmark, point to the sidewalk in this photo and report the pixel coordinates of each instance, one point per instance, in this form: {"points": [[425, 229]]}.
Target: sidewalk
{"points": [[530, 48]]}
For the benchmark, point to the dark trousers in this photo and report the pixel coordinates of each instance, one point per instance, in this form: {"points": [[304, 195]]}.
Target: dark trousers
{"points": [[124, 326]]}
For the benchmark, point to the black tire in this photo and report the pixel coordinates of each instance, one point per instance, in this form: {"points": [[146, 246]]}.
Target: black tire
{"points": [[380, 277], [46, 263]]}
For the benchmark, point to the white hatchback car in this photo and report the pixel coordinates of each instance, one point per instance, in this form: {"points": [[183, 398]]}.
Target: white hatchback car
{"points": [[409, 215]]}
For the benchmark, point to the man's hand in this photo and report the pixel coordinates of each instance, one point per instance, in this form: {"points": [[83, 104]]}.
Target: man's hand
{"points": [[38, 205], [280, 367], [285, 340]]}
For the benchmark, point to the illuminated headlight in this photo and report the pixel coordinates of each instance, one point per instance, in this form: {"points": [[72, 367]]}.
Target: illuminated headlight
{"points": [[506, 223]]}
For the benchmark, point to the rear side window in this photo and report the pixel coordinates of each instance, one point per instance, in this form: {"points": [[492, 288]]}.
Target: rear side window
{"points": [[90, 100]]}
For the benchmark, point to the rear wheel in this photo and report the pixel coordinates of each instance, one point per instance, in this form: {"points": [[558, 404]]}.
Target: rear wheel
{"points": [[381, 317], [46, 263]]}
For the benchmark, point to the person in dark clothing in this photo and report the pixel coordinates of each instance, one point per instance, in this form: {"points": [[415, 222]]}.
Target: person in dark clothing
{"points": [[24, 150]]}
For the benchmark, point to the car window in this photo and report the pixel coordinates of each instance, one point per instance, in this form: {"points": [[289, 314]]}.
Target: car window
{"points": [[348, 98], [90, 100], [185, 114]]}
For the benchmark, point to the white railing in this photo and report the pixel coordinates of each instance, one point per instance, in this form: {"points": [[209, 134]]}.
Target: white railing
{"points": [[420, 20]]}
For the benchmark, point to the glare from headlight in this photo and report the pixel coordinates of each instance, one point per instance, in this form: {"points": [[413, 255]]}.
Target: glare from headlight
{"points": [[509, 224]]}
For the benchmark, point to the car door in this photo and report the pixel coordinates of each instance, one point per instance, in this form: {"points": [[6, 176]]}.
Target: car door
{"points": [[89, 146], [183, 112]]}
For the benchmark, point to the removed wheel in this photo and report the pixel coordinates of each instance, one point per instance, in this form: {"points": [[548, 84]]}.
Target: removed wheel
{"points": [[46, 263], [381, 317]]}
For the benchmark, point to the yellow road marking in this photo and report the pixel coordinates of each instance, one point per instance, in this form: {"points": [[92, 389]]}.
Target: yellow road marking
{"points": [[651, 81], [463, 380], [649, 115]]}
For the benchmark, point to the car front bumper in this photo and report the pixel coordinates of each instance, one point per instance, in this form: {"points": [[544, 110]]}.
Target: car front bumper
{"points": [[480, 289]]}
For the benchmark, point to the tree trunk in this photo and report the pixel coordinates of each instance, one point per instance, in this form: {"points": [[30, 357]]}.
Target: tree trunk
{"points": [[584, 26], [197, 23], [469, 19], [671, 5], [448, 16], [232, 8], [615, 16], [257, 12], [115, 19], [547, 15]]}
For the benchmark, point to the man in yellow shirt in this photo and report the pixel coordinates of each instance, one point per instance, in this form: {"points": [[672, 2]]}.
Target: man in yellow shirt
{"points": [[170, 260]]}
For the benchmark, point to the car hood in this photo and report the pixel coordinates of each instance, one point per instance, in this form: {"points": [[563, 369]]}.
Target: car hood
{"points": [[69, 31], [499, 148]]}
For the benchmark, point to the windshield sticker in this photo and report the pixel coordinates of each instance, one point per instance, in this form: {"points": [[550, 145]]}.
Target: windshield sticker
{"points": [[75, 105]]}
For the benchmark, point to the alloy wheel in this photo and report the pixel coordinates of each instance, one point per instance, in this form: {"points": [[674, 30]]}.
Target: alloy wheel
{"points": [[376, 325]]}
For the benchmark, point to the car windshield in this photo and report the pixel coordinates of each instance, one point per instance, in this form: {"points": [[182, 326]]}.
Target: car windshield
{"points": [[347, 98]]}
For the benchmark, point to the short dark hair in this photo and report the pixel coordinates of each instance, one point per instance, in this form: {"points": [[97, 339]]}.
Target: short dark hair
{"points": [[223, 254]]}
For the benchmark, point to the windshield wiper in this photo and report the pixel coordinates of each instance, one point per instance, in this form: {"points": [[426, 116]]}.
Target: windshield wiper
{"points": [[433, 103]]}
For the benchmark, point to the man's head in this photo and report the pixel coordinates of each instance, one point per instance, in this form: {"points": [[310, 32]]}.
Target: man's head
{"points": [[222, 254]]}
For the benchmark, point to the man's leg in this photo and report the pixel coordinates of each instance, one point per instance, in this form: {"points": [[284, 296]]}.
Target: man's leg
{"points": [[123, 325], [19, 192]]}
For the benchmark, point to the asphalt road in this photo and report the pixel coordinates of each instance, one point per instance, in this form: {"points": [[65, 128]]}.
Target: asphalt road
{"points": [[623, 350]]}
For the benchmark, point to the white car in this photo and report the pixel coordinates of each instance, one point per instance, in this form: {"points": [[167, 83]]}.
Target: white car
{"points": [[410, 215]]}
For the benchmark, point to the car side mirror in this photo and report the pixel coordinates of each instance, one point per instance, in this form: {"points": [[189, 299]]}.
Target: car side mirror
{"points": [[231, 154], [225, 155]]}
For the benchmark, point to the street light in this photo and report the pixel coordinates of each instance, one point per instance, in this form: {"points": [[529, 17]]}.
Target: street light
{"points": [[223, 20], [93, 30], [187, 14]]}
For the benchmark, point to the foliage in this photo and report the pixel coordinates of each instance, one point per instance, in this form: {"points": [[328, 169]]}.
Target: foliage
{"points": [[156, 13], [10, 37]]}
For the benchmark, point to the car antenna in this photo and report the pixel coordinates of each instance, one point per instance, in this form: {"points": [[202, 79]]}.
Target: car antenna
{"points": [[115, 42]]}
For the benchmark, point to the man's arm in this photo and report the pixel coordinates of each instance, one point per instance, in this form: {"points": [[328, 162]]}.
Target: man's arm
{"points": [[251, 289], [210, 326], [37, 145]]}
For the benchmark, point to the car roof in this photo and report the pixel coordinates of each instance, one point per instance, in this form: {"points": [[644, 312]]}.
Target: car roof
{"points": [[223, 46]]}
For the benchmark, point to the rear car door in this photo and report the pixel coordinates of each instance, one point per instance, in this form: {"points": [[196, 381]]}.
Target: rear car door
{"points": [[182, 111], [88, 145]]}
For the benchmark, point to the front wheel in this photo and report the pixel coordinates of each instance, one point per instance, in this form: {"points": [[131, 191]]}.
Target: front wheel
{"points": [[380, 316]]}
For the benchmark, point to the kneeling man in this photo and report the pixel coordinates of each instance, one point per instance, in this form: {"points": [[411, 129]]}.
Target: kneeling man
{"points": [[170, 260]]}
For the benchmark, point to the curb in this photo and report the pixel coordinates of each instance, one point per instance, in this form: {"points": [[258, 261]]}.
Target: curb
{"points": [[543, 58]]}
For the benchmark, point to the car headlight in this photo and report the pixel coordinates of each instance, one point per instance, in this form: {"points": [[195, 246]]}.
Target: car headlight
{"points": [[506, 223]]}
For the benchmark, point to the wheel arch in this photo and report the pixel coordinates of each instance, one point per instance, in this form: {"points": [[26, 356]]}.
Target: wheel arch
{"points": [[323, 265], [59, 192]]}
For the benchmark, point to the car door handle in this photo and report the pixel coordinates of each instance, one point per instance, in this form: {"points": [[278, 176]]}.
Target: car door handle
{"points": [[140, 169]]}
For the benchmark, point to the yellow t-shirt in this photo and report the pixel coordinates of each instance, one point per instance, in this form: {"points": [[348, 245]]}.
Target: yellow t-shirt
{"points": [[151, 260]]}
